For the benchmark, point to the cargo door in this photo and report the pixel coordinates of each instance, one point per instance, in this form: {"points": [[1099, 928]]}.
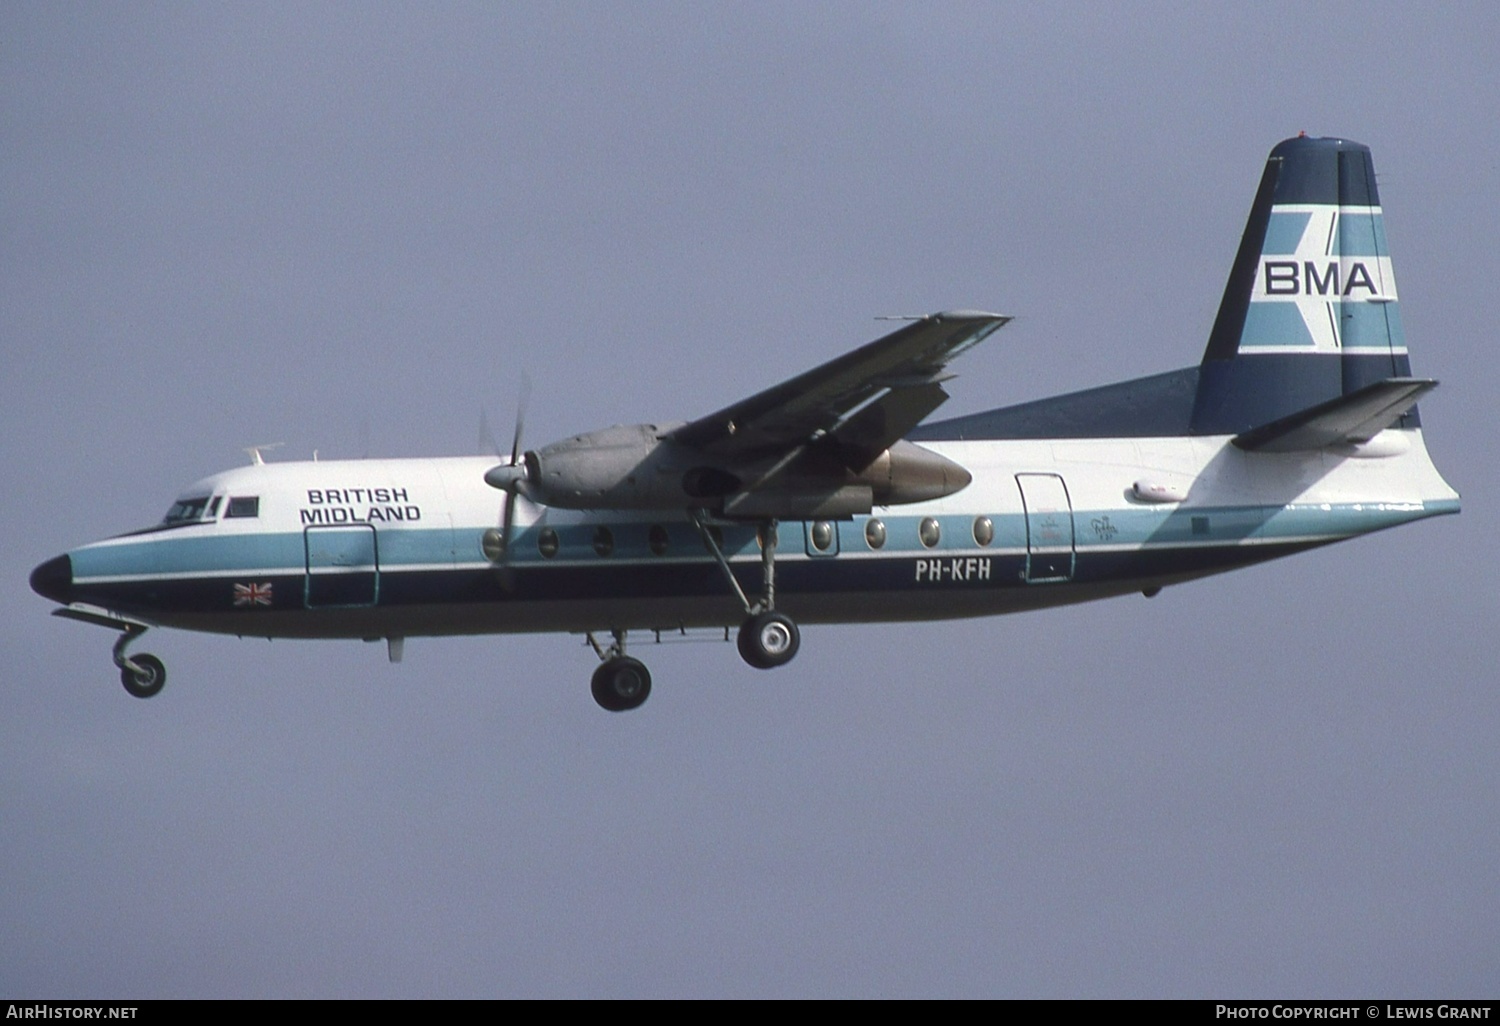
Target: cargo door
{"points": [[342, 566]]}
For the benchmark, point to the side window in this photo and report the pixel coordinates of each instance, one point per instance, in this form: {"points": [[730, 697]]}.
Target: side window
{"points": [[186, 511], [659, 539], [243, 506]]}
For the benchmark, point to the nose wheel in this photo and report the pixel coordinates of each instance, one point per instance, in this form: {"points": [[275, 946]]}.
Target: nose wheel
{"points": [[143, 674], [147, 677]]}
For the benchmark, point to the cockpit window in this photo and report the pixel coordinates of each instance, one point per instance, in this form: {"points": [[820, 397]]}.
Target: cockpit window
{"points": [[243, 506], [186, 511]]}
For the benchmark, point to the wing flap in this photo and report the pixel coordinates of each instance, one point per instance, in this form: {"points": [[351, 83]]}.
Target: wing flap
{"points": [[870, 430], [1356, 417], [827, 398]]}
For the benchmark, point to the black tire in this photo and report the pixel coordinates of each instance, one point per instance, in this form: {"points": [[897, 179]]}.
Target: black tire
{"points": [[769, 640], [621, 684], [149, 680]]}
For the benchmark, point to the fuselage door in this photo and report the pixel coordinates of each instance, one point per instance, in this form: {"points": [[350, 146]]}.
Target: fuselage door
{"points": [[342, 566], [1049, 527]]}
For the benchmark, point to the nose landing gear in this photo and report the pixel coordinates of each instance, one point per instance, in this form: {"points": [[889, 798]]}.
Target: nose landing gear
{"points": [[143, 674], [147, 678]]}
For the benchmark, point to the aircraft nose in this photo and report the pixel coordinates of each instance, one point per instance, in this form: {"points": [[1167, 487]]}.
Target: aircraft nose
{"points": [[54, 579]]}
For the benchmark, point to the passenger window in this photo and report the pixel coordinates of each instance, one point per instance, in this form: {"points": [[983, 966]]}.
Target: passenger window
{"points": [[492, 544], [604, 541], [242, 506], [929, 532], [546, 542], [984, 530]]}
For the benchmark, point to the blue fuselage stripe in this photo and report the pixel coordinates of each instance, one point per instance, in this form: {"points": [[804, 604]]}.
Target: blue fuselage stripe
{"points": [[172, 577]]}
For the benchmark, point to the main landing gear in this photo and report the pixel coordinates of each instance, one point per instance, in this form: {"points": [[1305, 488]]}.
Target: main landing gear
{"points": [[143, 675], [620, 683], [767, 639]]}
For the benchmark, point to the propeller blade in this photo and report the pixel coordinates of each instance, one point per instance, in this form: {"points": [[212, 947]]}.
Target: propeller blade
{"points": [[509, 478], [521, 402], [507, 575], [488, 443]]}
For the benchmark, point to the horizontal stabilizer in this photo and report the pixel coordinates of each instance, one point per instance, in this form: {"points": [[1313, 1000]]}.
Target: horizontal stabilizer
{"points": [[1353, 418]]}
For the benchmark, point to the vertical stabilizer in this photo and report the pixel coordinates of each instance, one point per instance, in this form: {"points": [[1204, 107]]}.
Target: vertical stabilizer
{"points": [[1310, 311]]}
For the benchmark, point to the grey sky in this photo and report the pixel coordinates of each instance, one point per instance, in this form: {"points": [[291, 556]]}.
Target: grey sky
{"points": [[350, 228]]}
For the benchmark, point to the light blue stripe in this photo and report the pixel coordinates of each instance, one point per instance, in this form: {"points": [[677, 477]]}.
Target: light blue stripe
{"points": [[1362, 235], [164, 554], [1283, 232], [1274, 324], [1151, 526], [1370, 325], [421, 548]]}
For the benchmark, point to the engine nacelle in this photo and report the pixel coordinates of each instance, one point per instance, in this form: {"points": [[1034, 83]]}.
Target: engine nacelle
{"points": [[634, 468], [906, 472], [627, 467], [819, 486]]}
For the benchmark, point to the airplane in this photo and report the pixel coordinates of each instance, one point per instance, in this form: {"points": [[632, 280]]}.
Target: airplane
{"points": [[828, 498]]}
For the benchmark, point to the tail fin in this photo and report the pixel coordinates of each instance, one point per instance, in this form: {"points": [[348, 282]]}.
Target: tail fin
{"points": [[1309, 313]]}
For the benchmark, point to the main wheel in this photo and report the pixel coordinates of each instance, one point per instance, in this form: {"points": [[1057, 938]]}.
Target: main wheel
{"points": [[769, 640], [621, 683], [148, 680]]}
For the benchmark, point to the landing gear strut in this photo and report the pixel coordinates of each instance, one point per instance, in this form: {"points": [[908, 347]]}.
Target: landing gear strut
{"points": [[767, 639], [620, 683], [143, 675]]}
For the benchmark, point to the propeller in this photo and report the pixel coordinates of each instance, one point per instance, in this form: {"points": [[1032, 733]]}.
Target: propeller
{"points": [[509, 478]]}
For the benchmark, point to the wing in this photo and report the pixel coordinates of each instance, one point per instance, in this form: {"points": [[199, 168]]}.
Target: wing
{"points": [[865, 400]]}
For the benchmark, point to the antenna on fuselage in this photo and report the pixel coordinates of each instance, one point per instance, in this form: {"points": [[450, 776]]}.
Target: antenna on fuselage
{"points": [[256, 451]]}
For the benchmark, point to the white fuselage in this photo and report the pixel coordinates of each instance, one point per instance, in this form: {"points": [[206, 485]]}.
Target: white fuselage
{"points": [[393, 548]]}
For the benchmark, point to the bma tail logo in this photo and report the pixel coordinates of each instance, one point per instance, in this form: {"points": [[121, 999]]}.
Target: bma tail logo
{"points": [[1323, 283], [1288, 278]]}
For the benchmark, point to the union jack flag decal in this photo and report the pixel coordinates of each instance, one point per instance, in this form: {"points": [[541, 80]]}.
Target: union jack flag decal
{"points": [[252, 594]]}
